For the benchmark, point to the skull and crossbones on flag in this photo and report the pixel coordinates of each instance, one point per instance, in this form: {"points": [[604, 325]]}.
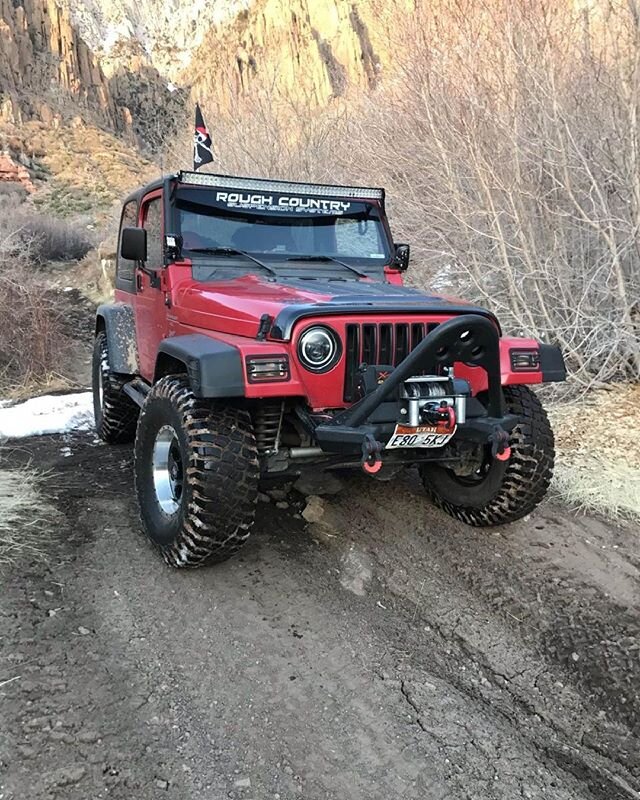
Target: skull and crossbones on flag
{"points": [[202, 146]]}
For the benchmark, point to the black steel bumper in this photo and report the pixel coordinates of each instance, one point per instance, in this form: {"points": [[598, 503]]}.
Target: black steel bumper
{"points": [[470, 339]]}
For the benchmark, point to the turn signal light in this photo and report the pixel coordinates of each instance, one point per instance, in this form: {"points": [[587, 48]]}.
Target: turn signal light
{"points": [[265, 369], [525, 360]]}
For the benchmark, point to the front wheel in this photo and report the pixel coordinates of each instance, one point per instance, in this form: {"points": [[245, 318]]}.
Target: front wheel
{"points": [[496, 492], [196, 475]]}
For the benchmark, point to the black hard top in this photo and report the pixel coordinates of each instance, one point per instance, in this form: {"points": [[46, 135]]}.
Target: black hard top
{"points": [[138, 194]]}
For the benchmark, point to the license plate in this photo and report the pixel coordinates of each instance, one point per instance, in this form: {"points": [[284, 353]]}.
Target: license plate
{"points": [[421, 436]]}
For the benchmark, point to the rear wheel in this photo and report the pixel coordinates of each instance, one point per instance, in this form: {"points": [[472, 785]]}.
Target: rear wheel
{"points": [[495, 492], [196, 474], [115, 412]]}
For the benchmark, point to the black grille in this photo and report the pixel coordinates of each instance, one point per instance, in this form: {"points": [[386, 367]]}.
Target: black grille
{"points": [[382, 343]]}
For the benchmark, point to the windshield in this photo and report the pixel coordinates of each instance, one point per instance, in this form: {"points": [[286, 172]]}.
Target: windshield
{"points": [[288, 233]]}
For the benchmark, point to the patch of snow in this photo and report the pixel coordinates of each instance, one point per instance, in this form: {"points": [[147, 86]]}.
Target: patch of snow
{"points": [[47, 414], [172, 87]]}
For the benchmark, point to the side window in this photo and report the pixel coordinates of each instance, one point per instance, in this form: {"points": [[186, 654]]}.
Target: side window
{"points": [[124, 267], [153, 226]]}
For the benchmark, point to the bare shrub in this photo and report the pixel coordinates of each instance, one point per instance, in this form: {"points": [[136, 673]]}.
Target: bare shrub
{"points": [[33, 344], [510, 142], [45, 238]]}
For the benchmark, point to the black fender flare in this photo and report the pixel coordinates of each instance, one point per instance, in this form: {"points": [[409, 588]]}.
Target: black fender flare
{"points": [[118, 321], [552, 363], [214, 368]]}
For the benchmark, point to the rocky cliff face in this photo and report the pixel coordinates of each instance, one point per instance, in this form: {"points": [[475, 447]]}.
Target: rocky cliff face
{"points": [[47, 70], [133, 64], [167, 31], [310, 50]]}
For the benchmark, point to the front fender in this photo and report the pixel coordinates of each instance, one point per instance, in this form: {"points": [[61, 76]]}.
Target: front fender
{"points": [[550, 367], [214, 368]]}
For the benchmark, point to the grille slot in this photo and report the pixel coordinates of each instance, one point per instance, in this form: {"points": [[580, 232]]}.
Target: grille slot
{"points": [[352, 356], [385, 351], [379, 343], [369, 344], [402, 343]]}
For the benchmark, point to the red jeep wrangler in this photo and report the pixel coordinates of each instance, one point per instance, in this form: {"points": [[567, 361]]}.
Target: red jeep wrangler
{"points": [[261, 328]]}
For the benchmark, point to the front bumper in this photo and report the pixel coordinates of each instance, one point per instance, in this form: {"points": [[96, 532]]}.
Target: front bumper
{"points": [[469, 339]]}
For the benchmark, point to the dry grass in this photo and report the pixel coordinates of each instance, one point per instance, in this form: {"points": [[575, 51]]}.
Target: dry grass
{"points": [[21, 520], [93, 276], [598, 464]]}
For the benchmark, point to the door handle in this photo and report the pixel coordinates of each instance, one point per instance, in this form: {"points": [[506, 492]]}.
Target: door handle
{"points": [[138, 281]]}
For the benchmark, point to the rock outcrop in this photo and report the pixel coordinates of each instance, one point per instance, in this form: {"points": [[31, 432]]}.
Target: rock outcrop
{"points": [[47, 70], [14, 174], [308, 50], [168, 31]]}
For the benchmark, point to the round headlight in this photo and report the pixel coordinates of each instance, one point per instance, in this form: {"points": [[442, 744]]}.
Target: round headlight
{"points": [[318, 349]]}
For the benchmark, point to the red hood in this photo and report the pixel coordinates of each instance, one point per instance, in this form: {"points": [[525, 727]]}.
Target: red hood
{"points": [[241, 300], [238, 304]]}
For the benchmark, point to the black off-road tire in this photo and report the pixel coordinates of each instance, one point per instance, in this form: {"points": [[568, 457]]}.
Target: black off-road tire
{"points": [[116, 414], [215, 465], [509, 490]]}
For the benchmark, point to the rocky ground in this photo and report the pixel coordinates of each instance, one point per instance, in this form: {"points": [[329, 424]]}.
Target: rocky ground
{"points": [[384, 651]]}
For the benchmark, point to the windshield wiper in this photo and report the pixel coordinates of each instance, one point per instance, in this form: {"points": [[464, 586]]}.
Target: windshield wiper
{"points": [[231, 251], [329, 258]]}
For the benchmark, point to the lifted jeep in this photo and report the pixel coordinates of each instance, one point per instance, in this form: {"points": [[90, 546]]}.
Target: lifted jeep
{"points": [[261, 328]]}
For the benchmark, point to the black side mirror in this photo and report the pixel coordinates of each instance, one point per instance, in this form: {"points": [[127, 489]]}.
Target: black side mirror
{"points": [[133, 244], [401, 258]]}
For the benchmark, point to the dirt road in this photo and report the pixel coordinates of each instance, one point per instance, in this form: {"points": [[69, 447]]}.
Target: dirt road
{"points": [[389, 653]]}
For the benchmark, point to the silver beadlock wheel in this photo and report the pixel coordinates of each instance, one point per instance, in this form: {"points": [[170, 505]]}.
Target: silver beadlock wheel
{"points": [[168, 471], [100, 390]]}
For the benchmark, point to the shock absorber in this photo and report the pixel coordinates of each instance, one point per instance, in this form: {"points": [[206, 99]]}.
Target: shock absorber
{"points": [[267, 425]]}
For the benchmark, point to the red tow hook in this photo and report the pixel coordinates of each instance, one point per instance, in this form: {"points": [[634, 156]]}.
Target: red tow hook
{"points": [[443, 416], [499, 441], [371, 458], [450, 411], [367, 466]]}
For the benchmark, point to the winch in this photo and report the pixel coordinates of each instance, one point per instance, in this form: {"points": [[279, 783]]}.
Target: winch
{"points": [[433, 400]]}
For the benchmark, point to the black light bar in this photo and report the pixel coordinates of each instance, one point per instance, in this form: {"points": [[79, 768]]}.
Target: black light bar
{"points": [[264, 184]]}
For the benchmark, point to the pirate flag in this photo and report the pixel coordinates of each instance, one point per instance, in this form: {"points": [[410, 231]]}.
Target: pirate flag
{"points": [[202, 148]]}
